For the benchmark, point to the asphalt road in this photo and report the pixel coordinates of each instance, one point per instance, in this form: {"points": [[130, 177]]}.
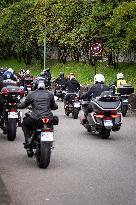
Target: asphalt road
{"points": [[84, 169]]}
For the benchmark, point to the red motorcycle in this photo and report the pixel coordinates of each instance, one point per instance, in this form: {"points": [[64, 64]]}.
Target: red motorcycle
{"points": [[11, 117]]}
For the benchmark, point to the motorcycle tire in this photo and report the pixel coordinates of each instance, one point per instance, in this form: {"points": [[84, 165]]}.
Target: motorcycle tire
{"points": [[44, 154], [105, 134], [124, 110], [75, 113], [66, 112], [12, 127]]}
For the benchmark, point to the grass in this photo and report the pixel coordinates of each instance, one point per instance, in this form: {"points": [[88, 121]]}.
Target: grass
{"points": [[84, 72]]}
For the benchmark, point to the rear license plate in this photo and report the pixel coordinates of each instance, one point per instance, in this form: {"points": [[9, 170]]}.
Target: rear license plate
{"points": [[47, 136], [77, 105], [12, 114], [29, 89], [108, 123], [125, 101]]}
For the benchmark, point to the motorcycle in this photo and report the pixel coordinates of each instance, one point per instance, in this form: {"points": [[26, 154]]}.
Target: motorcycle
{"points": [[11, 117], [58, 92], [73, 105], [123, 92], [104, 115], [41, 141], [28, 84]]}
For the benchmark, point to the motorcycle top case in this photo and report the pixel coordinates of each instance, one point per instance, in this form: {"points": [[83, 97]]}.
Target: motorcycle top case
{"points": [[125, 89], [101, 104]]}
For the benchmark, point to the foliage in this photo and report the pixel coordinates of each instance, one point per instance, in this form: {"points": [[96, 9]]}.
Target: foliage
{"points": [[69, 24]]}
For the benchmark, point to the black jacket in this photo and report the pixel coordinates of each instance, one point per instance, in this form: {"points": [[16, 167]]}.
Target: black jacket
{"points": [[42, 102], [60, 80], [95, 90], [72, 85]]}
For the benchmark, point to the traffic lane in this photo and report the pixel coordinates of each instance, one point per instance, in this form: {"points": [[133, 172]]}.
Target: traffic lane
{"points": [[83, 168]]}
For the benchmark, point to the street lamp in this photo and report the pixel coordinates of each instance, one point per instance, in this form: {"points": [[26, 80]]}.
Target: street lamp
{"points": [[45, 41]]}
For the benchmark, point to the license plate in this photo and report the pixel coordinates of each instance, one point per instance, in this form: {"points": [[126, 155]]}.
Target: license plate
{"points": [[125, 101], [108, 123], [47, 136], [29, 89], [12, 114], [77, 105]]}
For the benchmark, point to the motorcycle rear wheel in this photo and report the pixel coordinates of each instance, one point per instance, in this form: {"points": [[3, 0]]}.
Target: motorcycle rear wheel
{"points": [[44, 154], [124, 110], [66, 111], [105, 134], [11, 133], [75, 113]]}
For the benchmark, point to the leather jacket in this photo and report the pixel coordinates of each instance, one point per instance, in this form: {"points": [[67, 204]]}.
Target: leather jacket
{"points": [[42, 102]]}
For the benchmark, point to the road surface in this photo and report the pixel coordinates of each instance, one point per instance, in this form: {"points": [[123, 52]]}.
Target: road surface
{"points": [[84, 169]]}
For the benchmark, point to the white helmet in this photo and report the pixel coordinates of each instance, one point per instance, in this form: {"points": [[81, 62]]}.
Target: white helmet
{"points": [[27, 72], [120, 76], [99, 78], [41, 85], [10, 70]]}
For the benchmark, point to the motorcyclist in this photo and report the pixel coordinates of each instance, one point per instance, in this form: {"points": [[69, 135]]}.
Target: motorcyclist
{"points": [[119, 82], [42, 102], [73, 86], [47, 75], [60, 81], [9, 74], [96, 89]]}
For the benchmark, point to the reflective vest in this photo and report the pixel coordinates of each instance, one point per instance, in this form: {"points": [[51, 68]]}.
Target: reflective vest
{"points": [[121, 82]]}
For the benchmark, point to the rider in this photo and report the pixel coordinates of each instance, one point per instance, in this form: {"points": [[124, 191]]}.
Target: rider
{"points": [[42, 102], [96, 89], [73, 87], [119, 82], [9, 74], [60, 81]]}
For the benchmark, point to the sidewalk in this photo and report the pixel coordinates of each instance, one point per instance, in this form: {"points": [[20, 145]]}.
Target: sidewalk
{"points": [[4, 197]]}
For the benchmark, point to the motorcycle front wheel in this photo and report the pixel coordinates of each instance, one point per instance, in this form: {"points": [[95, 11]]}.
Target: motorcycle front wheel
{"points": [[12, 127], [43, 154]]}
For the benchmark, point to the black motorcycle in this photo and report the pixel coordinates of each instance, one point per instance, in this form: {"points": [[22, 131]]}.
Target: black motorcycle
{"points": [[104, 115], [41, 141], [59, 93], [73, 105], [11, 117]]}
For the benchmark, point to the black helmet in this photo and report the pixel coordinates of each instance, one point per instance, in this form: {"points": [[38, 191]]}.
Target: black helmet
{"points": [[48, 69], [61, 74]]}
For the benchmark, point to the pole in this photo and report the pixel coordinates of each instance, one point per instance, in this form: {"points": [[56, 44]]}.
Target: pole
{"points": [[45, 34]]}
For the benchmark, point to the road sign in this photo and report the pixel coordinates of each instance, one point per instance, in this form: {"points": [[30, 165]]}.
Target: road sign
{"points": [[96, 50]]}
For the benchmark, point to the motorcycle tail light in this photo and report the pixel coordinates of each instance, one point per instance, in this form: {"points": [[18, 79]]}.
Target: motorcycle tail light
{"points": [[45, 120], [12, 103], [20, 92], [99, 115], [5, 91], [47, 129], [115, 115]]}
